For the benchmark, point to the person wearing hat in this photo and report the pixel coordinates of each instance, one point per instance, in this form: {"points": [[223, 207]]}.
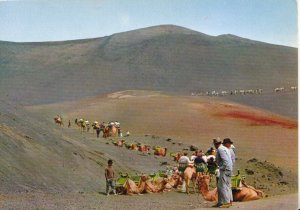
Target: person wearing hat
{"points": [[224, 162], [229, 145]]}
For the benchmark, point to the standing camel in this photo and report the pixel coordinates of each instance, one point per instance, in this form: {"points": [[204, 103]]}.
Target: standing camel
{"points": [[58, 120], [189, 175], [245, 193], [81, 123], [109, 131]]}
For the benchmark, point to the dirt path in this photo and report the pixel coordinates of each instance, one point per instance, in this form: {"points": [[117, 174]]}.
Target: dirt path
{"points": [[171, 200], [283, 202]]}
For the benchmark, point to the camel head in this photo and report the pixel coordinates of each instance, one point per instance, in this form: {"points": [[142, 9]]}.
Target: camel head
{"points": [[174, 180], [148, 147], [203, 180], [144, 177]]}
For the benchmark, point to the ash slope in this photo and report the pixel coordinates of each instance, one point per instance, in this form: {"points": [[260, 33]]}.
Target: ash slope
{"points": [[167, 58]]}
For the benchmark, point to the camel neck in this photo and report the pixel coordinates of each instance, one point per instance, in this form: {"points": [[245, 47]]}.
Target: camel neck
{"points": [[204, 189]]}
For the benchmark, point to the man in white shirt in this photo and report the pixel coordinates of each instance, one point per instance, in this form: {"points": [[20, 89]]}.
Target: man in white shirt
{"points": [[229, 145], [224, 162]]}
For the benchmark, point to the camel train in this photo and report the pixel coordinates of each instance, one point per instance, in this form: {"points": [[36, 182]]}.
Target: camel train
{"points": [[226, 92], [111, 130], [144, 185], [161, 183], [241, 91], [159, 151]]}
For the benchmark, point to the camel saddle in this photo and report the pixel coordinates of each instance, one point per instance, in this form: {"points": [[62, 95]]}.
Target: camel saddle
{"points": [[201, 167], [182, 167], [236, 182]]}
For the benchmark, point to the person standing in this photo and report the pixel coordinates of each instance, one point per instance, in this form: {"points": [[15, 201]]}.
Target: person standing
{"points": [[110, 176], [98, 131], [200, 164], [223, 159], [229, 145]]}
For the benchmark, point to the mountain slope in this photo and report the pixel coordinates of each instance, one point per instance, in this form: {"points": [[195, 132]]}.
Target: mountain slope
{"points": [[166, 58], [37, 155]]}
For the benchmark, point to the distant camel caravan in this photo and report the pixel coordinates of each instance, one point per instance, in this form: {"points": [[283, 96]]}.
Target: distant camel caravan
{"points": [[241, 91], [58, 120], [83, 124], [244, 193], [226, 92]]}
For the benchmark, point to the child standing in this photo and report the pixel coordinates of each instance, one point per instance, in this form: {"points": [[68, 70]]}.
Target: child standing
{"points": [[110, 176]]}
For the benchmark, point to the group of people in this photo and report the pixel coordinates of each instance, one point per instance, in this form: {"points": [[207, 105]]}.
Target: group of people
{"points": [[221, 159]]}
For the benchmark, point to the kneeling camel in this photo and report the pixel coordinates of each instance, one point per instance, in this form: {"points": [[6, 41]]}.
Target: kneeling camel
{"points": [[245, 193]]}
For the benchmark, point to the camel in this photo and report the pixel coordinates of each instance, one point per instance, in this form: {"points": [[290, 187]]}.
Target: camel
{"points": [[190, 174], [158, 185], [119, 143], [280, 89], [143, 186], [131, 188], [294, 88], [87, 124], [95, 126], [134, 147], [143, 148], [81, 123], [110, 131], [131, 146], [176, 155], [175, 180], [58, 120], [245, 193], [160, 151], [146, 186]]}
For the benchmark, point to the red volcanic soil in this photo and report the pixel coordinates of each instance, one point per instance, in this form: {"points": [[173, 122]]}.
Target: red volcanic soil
{"points": [[256, 119]]}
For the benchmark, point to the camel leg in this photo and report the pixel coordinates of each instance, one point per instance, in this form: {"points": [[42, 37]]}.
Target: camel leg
{"points": [[194, 185], [187, 184]]}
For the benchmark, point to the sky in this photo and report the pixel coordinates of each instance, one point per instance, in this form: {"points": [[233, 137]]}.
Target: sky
{"points": [[272, 21]]}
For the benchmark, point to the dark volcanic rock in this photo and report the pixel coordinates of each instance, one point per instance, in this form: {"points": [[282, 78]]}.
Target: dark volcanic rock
{"points": [[253, 160], [249, 171], [193, 148]]}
